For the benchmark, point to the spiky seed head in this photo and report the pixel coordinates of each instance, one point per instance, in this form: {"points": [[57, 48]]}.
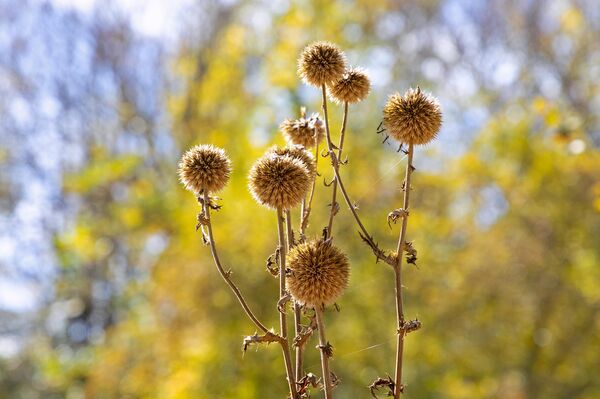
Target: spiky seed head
{"points": [[321, 63], [279, 181], [319, 273], [204, 167], [353, 87], [300, 153], [303, 131], [413, 118]]}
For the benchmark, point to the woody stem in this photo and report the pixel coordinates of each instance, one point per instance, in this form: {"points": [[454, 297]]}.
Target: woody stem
{"points": [[285, 346], [398, 274]]}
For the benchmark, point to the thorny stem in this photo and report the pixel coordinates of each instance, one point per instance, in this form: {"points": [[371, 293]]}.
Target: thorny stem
{"points": [[305, 210], [398, 272], [329, 146], [297, 309], [334, 204], [223, 273], [338, 181], [380, 254], [226, 276], [282, 316], [324, 355]]}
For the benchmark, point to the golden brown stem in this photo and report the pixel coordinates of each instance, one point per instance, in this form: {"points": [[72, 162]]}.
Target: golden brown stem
{"points": [[336, 166], [398, 272], [223, 273], [305, 210], [297, 310], [380, 254], [282, 316], [226, 276], [324, 353]]}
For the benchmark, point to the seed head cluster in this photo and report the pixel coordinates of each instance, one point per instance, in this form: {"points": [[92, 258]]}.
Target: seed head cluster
{"points": [[303, 131], [321, 63], [300, 153], [279, 181], [319, 273], [353, 87], [414, 118], [204, 167]]}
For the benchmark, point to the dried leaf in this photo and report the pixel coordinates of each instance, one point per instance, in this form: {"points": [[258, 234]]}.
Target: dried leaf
{"points": [[259, 339]]}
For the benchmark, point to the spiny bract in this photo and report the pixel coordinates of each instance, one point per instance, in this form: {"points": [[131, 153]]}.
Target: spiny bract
{"points": [[279, 181], [414, 118], [204, 167], [321, 63], [319, 273], [353, 87], [298, 152], [303, 131]]}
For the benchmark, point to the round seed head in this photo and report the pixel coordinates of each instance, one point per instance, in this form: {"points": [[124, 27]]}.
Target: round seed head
{"points": [[353, 87], [300, 153], [319, 273], [279, 181], [303, 131], [321, 63], [204, 167], [414, 118]]}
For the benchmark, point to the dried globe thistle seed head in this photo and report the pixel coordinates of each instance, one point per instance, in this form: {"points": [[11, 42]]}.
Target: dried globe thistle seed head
{"points": [[300, 153], [414, 118], [321, 63], [204, 167], [319, 273], [303, 131], [353, 87], [279, 181]]}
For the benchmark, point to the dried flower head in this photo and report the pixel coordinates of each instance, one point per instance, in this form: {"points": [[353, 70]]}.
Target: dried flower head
{"points": [[303, 131], [300, 153], [204, 167], [414, 118], [321, 63], [279, 181], [353, 87], [319, 273]]}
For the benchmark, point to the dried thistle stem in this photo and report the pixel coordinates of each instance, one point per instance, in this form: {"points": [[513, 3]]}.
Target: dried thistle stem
{"points": [[226, 276], [222, 272], [398, 272], [329, 149], [297, 309], [305, 210], [323, 346], [282, 315], [336, 165], [379, 253]]}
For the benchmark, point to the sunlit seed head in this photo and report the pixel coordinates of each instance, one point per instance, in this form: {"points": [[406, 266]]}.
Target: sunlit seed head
{"points": [[319, 273], [353, 87], [321, 63], [279, 181], [303, 131], [414, 118], [300, 153], [204, 168]]}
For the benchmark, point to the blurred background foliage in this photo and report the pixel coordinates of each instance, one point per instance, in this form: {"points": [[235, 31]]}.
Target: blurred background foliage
{"points": [[106, 291]]}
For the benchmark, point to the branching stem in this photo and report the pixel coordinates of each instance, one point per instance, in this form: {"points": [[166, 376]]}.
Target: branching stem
{"points": [[297, 308], [223, 273], [282, 315], [398, 273], [305, 209], [336, 165], [323, 346], [226, 275]]}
